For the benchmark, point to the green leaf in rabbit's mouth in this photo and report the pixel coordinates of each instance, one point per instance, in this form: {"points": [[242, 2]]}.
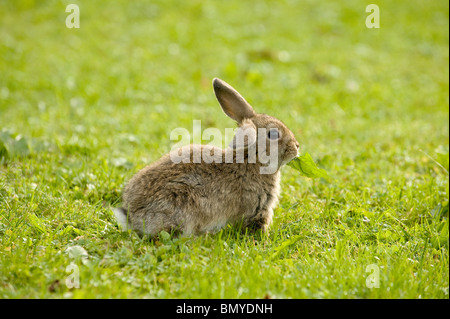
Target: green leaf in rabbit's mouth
{"points": [[306, 166]]}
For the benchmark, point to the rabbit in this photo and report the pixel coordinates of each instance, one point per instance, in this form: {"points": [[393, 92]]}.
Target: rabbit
{"points": [[196, 198]]}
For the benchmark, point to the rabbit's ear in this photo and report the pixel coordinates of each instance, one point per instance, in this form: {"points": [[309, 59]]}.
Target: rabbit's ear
{"points": [[232, 103], [245, 136]]}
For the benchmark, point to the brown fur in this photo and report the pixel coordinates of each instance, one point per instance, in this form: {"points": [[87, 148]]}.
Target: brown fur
{"points": [[195, 198]]}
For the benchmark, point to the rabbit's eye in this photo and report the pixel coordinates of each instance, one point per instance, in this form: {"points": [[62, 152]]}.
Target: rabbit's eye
{"points": [[273, 134]]}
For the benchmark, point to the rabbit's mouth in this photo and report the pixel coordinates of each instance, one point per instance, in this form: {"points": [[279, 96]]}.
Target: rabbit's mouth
{"points": [[290, 154]]}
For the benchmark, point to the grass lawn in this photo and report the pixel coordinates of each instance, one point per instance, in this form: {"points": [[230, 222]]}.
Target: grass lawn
{"points": [[82, 110]]}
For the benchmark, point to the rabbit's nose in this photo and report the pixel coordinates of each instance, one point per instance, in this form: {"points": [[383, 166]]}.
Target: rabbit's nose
{"points": [[297, 145]]}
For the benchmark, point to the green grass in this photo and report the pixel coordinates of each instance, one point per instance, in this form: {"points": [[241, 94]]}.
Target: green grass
{"points": [[82, 110]]}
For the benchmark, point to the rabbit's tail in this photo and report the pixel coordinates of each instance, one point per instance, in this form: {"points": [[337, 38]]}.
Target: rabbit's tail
{"points": [[122, 217]]}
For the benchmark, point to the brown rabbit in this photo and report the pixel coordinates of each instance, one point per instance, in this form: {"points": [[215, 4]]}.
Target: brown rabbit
{"points": [[236, 184]]}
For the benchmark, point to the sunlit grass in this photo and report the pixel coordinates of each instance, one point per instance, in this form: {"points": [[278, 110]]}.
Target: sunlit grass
{"points": [[82, 110]]}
